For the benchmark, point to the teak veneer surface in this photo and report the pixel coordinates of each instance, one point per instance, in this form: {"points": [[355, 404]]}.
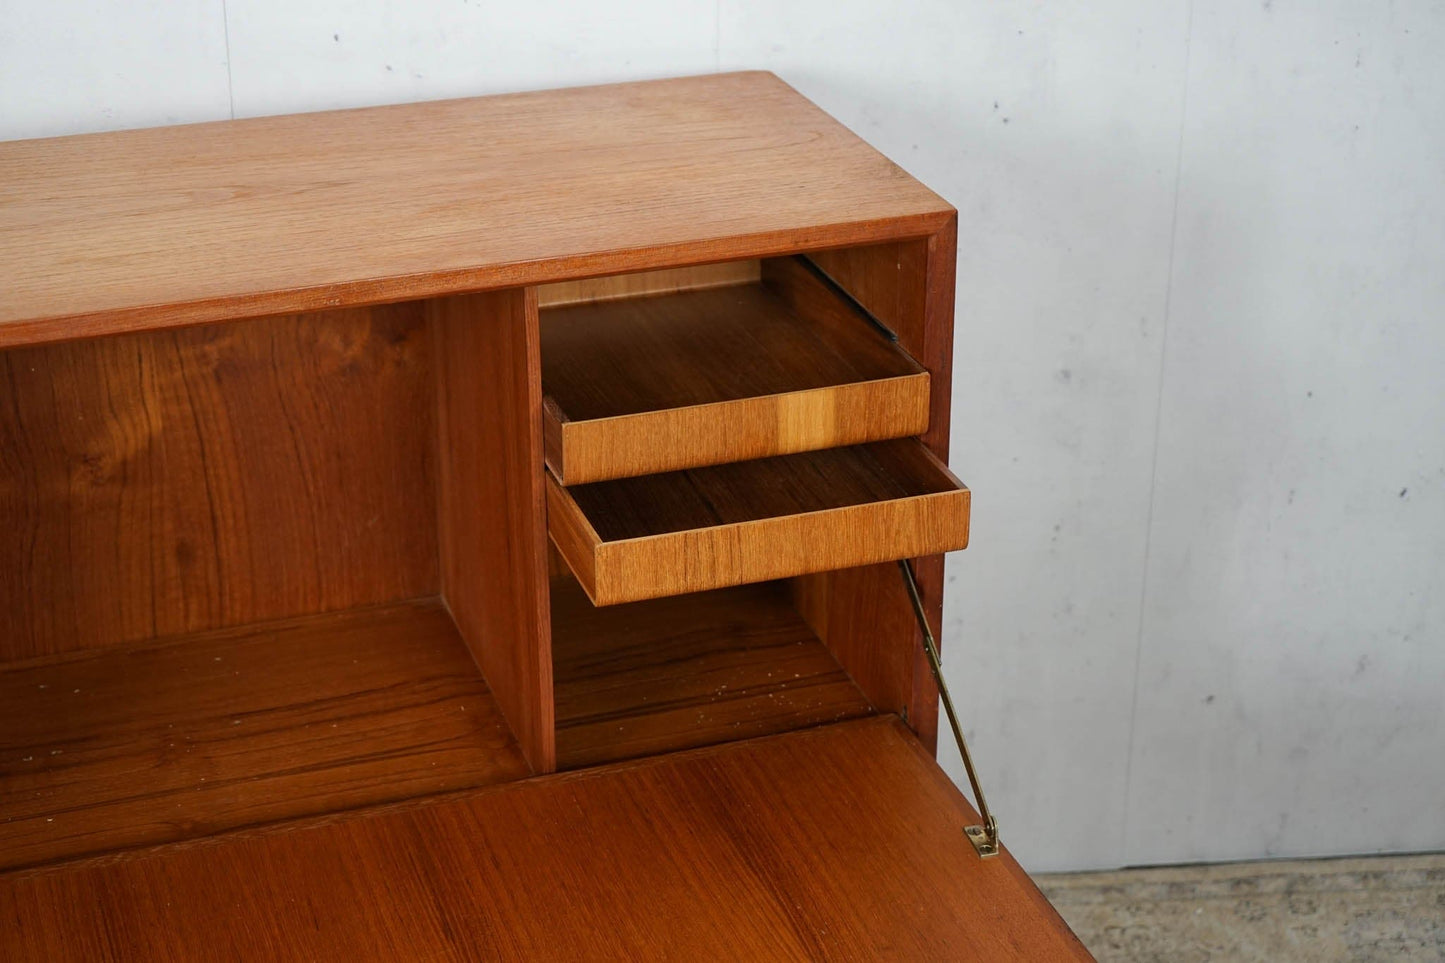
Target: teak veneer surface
{"points": [[910, 287], [612, 358], [170, 482], [153, 228], [135, 745], [705, 528], [842, 842], [655, 384], [797, 484], [491, 521], [687, 671]]}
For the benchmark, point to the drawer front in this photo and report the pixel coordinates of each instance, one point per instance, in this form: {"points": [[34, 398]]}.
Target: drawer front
{"points": [[749, 428], [773, 518]]}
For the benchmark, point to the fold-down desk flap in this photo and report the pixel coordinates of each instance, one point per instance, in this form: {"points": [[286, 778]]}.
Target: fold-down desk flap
{"points": [[843, 842]]}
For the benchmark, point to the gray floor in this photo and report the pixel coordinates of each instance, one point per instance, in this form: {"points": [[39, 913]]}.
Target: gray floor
{"points": [[1376, 908]]}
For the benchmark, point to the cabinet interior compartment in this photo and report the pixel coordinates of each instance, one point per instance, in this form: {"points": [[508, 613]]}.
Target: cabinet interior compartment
{"points": [[733, 467], [221, 599], [272, 569], [674, 673]]}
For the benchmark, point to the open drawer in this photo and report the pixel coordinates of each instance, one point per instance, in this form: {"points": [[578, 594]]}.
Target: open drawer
{"points": [[769, 360], [707, 528]]}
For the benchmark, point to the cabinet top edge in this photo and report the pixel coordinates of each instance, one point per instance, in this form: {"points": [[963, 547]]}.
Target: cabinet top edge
{"points": [[172, 226]]}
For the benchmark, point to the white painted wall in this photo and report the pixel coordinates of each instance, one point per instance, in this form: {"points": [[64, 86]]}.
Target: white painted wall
{"points": [[1200, 379]]}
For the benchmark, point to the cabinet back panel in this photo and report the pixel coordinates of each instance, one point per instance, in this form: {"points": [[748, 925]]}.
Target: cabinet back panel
{"points": [[178, 481]]}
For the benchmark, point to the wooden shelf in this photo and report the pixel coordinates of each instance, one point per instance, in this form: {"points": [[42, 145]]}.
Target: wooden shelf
{"points": [[655, 384], [692, 670], [134, 745], [707, 528], [841, 842]]}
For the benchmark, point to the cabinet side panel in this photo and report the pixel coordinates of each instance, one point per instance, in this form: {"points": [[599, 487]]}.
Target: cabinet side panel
{"points": [[178, 481], [863, 614], [491, 510]]}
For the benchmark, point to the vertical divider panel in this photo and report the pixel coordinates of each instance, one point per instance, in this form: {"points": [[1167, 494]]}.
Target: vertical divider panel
{"points": [[492, 522], [863, 614]]}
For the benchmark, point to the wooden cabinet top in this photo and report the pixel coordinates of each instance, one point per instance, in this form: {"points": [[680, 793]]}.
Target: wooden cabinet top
{"points": [[142, 229]]}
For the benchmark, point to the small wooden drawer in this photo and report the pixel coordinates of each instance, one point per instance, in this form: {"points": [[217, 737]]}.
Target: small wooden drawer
{"points": [[781, 365], [707, 528]]}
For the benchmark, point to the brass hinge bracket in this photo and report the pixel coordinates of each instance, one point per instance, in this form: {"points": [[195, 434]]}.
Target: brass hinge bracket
{"points": [[985, 837]]}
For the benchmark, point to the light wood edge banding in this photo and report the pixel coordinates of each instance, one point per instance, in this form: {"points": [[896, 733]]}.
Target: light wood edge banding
{"points": [[695, 560], [574, 537], [694, 436]]}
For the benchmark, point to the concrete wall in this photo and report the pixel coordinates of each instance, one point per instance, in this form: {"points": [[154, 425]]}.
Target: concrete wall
{"points": [[1200, 378]]}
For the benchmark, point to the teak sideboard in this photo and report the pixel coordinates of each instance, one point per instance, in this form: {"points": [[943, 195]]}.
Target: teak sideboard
{"points": [[470, 530]]}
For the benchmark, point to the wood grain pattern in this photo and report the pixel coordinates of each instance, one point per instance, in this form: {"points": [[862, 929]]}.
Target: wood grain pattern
{"points": [[753, 521], [910, 287], [692, 670], [865, 619], [657, 384], [836, 843], [672, 439], [181, 225], [932, 339], [611, 287], [491, 514], [143, 744], [174, 482], [181, 480]]}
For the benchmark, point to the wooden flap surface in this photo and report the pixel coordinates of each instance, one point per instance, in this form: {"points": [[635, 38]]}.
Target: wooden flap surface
{"points": [[842, 842]]}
